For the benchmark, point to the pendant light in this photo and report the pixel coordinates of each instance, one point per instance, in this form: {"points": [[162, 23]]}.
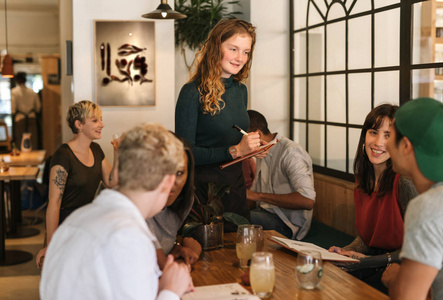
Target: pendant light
{"points": [[163, 11], [7, 69]]}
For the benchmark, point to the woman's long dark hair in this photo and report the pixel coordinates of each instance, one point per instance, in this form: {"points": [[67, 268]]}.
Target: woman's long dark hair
{"points": [[187, 193], [363, 168]]}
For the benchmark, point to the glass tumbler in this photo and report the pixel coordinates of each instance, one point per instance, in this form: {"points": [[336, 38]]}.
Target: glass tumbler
{"points": [[246, 244], [309, 269], [262, 274]]}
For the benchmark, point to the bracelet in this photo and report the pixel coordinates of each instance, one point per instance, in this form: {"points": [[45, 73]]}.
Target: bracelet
{"points": [[389, 260], [177, 243]]}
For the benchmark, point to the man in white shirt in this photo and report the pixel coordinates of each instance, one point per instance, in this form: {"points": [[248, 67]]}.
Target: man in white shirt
{"points": [[105, 249], [25, 104], [283, 187], [416, 149]]}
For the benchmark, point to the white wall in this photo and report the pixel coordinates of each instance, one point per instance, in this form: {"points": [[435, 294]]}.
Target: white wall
{"points": [[269, 80], [118, 119]]}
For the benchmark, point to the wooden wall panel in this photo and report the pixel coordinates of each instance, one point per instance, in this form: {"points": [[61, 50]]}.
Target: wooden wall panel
{"points": [[51, 105], [334, 204]]}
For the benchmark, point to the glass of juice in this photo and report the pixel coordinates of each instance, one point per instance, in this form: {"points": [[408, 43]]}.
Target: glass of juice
{"points": [[309, 269], [262, 274], [246, 244]]}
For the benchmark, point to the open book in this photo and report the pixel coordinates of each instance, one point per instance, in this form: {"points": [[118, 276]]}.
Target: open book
{"points": [[229, 291], [259, 150], [298, 246]]}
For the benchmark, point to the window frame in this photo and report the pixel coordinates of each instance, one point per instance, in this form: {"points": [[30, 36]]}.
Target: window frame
{"points": [[404, 68]]}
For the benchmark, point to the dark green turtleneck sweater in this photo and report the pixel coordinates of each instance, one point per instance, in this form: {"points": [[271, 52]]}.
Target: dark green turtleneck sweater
{"points": [[211, 136]]}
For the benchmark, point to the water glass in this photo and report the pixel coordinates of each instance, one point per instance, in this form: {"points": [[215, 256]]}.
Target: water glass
{"points": [[309, 269], [262, 274], [246, 243], [260, 237]]}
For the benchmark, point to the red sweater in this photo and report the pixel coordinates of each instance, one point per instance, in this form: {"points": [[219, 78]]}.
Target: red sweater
{"points": [[378, 220]]}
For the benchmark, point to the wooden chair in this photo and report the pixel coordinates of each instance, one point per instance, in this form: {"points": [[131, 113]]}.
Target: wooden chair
{"points": [[5, 140]]}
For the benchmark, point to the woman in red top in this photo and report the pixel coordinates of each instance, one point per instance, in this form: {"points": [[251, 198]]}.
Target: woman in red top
{"points": [[380, 198]]}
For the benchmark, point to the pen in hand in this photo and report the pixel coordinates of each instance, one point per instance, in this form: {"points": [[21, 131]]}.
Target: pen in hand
{"points": [[239, 129]]}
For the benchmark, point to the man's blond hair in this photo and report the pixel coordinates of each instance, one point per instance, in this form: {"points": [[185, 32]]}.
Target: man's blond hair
{"points": [[146, 154]]}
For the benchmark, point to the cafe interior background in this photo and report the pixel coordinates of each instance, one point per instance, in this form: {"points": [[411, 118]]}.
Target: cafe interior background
{"points": [[318, 69]]}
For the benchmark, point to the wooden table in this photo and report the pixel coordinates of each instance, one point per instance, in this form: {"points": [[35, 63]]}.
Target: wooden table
{"points": [[221, 266], [32, 158], [14, 175]]}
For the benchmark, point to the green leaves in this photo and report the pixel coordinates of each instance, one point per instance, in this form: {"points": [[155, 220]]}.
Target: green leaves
{"points": [[203, 15]]}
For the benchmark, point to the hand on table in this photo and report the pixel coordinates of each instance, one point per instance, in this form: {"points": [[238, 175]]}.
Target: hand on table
{"points": [[390, 274], [351, 254], [176, 278], [190, 250]]}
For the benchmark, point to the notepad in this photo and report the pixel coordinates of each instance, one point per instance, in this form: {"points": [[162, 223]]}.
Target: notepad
{"points": [[229, 291], [259, 150], [298, 246]]}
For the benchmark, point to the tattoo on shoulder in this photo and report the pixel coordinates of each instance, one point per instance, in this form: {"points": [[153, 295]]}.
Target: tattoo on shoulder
{"points": [[60, 180]]}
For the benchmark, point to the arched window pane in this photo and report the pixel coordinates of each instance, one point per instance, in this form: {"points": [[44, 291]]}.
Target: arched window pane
{"points": [[359, 97], [316, 50], [300, 53], [359, 6], [336, 11], [359, 41], [336, 40], [316, 98], [354, 137], [316, 148], [427, 40], [427, 83], [300, 9], [300, 133], [387, 38], [382, 3], [336, 142], [386, 88], [300, 98], [336, 98], [321, 5], [314, 17]]}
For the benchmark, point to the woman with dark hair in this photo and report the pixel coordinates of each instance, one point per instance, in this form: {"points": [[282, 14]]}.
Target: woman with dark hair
{"points": [[212, 102], [167, 223], [380, 198]]}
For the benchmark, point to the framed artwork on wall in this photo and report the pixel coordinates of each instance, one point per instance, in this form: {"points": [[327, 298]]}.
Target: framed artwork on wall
{"points": [[124, 63]]}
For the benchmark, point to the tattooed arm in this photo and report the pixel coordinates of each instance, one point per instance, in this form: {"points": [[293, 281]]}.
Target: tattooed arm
{"points": [[57, 183]]}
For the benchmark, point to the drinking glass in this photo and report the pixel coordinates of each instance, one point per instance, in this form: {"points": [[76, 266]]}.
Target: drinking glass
{"points": [[116, 140], [262, 274], [260, 237], [246, 244], [309, 269]]}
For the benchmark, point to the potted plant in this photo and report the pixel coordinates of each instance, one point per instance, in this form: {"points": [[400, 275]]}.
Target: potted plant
{"points": [[205, 222], [203, 15]]}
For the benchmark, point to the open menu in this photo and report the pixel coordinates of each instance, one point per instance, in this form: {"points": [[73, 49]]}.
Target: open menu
{"points": [[298, 246], [259, 150], [229, 291]]}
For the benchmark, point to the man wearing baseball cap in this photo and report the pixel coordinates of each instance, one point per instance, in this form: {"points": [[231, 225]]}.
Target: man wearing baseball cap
{"points": [[416, 149]]}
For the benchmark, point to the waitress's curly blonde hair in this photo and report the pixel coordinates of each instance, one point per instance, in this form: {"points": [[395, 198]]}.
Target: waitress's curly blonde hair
{"points": [[207, 66]]}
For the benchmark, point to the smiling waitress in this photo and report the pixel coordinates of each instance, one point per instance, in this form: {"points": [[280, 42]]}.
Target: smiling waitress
{"points": [[211, 103]]}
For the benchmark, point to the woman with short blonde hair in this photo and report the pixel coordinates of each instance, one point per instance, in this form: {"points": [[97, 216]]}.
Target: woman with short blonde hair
{"points": [[77, 168]]}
